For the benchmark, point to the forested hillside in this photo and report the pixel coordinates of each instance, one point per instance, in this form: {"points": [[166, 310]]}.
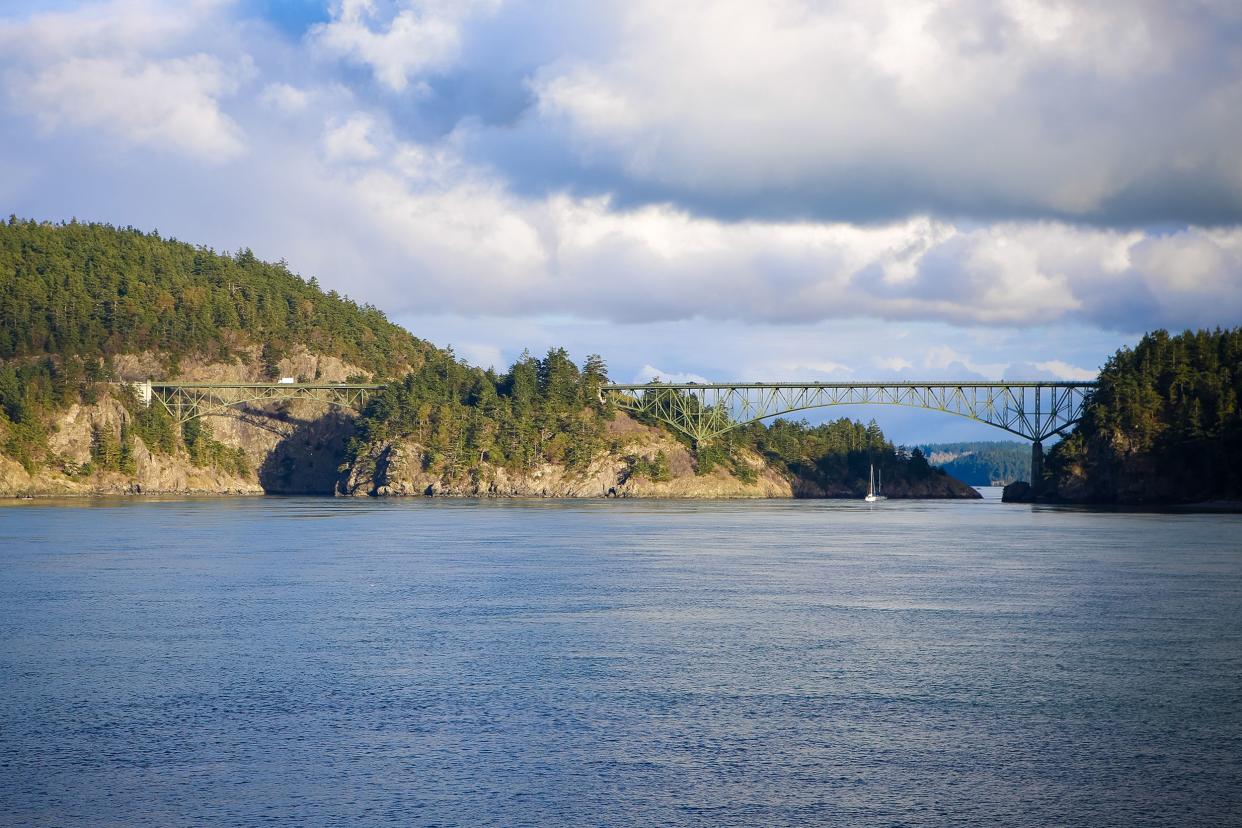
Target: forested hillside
{"points": [[541, 410], [982, 463], [75, 296], [1164, 425], [466, 423], [843, 449], [89, 291]]}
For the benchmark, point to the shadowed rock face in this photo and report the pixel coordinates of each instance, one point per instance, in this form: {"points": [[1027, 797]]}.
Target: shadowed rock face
{"points": [[1018, 492], [309, 460], [288, 454]]}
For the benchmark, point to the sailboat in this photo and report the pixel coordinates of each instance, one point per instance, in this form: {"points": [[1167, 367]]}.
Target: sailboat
{"points": [[873, 491]]}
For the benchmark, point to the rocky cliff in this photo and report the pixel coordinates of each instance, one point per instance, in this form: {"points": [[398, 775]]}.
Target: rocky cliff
{"points": [[401, 467], [285, 448]]}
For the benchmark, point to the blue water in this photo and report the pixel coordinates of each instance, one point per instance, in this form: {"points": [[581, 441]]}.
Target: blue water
{"points": [[341, 662]]}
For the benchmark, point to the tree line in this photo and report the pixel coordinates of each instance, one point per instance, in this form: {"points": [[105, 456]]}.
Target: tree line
{"points": [[1163, 424], [982, 462]]}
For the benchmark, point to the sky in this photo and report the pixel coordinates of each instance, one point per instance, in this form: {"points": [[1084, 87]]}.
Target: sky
{"points": [[792, 189]]}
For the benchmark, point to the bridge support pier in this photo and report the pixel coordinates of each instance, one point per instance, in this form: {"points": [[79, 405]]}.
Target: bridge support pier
{"points": [[1037, 467]]}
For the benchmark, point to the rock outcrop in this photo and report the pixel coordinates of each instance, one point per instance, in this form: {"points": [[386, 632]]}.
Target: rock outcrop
{"points": [[290, 448], [402, 468]]}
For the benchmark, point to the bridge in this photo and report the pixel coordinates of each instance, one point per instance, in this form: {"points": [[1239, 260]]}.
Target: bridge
{"points": [[1034, 410], [186, 401]]}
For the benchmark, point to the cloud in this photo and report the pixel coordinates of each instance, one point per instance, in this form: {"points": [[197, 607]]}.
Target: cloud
{"points": [[755, 180], [478, 247], [100, 69], [649, 373], [284, 98], [103, 28], [1060, 369], [948, 362], [482, 354], [422, 36], [894, 364], [170, 104], [352, 140], [868, 110]]}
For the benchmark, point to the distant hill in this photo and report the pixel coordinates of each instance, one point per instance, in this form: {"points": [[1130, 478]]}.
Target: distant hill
{"points": [[986, 463]]}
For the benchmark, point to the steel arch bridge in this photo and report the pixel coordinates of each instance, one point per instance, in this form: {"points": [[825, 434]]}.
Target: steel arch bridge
{"points": [[1034, 410], [186, 401]]}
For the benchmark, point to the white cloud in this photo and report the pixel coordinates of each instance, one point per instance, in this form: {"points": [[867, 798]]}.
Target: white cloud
{"points": [[107, 69], [750, 111], [482, 354], [97, 29], [894, 363], [422, 36], [947, 361], [477, 247], [822, 366], [868, 108], [169, 104], [352, 140], [284, 98], [649, 373], [1063, 370]]}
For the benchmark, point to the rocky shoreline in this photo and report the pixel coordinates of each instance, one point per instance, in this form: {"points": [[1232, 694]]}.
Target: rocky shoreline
{"points": [[310, 460]]}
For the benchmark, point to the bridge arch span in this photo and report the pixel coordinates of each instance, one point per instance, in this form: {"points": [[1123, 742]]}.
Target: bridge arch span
{"points": [[1033, 410]]}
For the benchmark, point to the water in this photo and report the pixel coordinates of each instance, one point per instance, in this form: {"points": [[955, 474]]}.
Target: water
{"points": [[343, 662]]}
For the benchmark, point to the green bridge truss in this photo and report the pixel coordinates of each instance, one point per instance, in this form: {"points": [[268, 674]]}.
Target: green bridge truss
{"points": [[703, 411], [186, 401]]}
